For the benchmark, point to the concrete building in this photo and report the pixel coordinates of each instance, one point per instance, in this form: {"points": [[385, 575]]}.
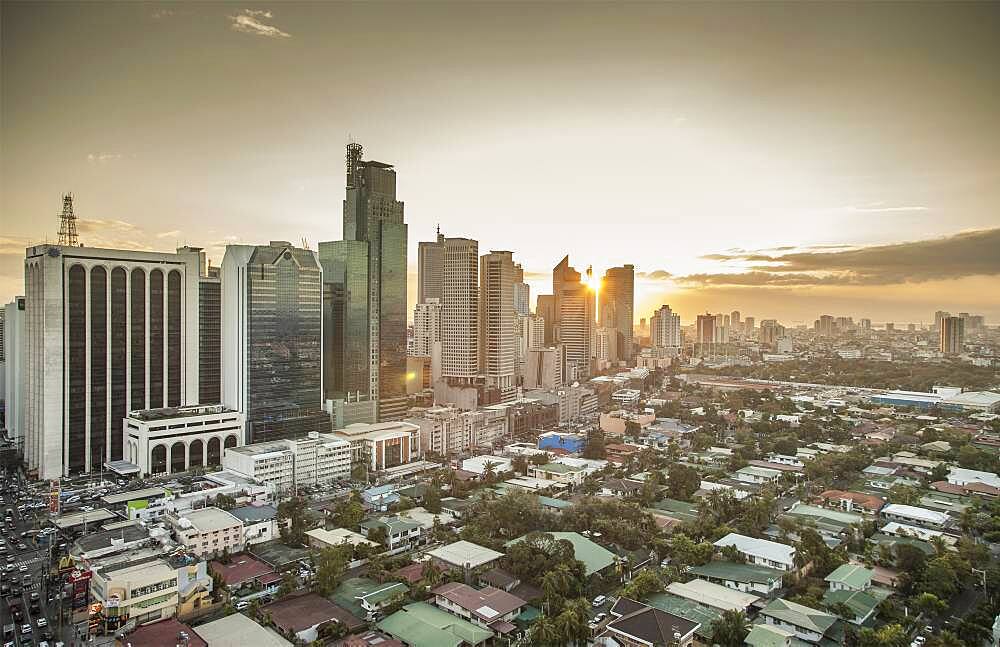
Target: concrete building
{"points": [[665, 328], [426, 326], [705, 335], [174, 439], [605, 347], [106, 331], [617, 308], [460, 311], [208, 531], [272, 339], [522, 293], [448, 431], [382, 445], [544, 368], [430, 268], [285, 463], [761, 551], [14, 351], [575, 304], [497, 341], [260, 523], [952, 333]]}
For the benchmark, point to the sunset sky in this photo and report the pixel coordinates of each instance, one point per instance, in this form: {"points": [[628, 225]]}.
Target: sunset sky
{"points": [[785, 160]]}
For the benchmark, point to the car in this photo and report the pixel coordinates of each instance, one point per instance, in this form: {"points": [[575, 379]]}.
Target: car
{"points": [[25, 630], [86, 508], [241, 605], [599, 600], [22, 546], [22, 568], [41, 622]]}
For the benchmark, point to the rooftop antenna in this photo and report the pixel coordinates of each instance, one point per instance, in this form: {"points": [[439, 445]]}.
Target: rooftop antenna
{"points": [[67, 223]]}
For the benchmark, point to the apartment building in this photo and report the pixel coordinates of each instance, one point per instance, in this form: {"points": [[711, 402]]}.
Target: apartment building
{"points": [[208, 531]]}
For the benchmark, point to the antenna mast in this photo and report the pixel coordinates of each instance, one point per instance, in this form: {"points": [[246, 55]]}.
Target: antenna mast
{"points": [[67, 223]]}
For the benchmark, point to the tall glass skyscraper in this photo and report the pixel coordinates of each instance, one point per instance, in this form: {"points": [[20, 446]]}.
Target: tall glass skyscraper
{"points": [[366, 292], [272, 335]]}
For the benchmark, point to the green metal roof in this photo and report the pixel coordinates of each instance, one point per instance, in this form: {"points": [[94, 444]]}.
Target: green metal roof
{"points": [[687, 609], [859, 602], [767, 636], [594, 557], [424, 625], [854, 576], [800, 615], [353, 590], [736, 572]]}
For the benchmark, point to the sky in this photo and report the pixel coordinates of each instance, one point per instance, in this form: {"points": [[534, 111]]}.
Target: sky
{"points": [[784, 160]]}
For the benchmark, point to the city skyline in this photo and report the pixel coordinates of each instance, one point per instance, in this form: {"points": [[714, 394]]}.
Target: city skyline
{"points": [[871, 194]]}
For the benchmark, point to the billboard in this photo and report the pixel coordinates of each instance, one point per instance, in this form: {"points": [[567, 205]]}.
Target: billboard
{"points": [[54, 496]]}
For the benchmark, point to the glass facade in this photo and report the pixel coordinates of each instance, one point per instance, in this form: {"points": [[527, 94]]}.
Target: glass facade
{"points": [[98, 365], [174, 338], [76, 332], [138, 350], [119, 348], [155, 339], [285, 336], [348, 361], [210, 343]]}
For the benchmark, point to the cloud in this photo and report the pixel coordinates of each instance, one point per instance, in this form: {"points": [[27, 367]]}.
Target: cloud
{"points": [[971, 253], [100, 158], [655, 275], [98, 226], [169, 234], [248, 21], [162, 13], [877, 209]]}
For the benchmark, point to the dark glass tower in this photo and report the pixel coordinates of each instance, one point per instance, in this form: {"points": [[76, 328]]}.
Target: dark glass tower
{"points": [[369, 266]]}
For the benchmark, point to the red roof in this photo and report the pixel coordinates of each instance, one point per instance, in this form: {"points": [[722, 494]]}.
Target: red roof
{"points": [[164, 632], [297, 613], [411, 573], [867, 501], [242, 569]]}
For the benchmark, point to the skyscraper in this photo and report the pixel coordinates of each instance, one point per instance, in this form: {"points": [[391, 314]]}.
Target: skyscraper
{"points": [[369, 265], [574, 318], [209, 329], [272, 338], [14, 343], [460, 311], [426, 326], [522, 292], [430, 256], [545, 307], [952, 331], [665, 328], [617, 299], [106, 331], [497, 341], [705, 334]]}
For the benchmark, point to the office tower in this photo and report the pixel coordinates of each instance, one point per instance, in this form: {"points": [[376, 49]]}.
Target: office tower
{"points": [[14, 346], [545, 307], [734, 321], [665, 328], [209, 329], [617, 298], [106, 331], [721, 329], [272, 339], [771, 331], [3, 314], [373, 215], [460, 311], [705, 334], [430, 256], [952, 335], [426, 326], [368, 284], [497, 341], [522, 292], [604, 347], [825, 326], [574, 312], [866, 324], [844, 324], [533, 327], [748, 326], [938, 316], [544, 367]]}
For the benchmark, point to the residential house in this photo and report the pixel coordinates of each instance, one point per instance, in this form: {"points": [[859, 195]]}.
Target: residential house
{"points": [[761, 551], [749, 578], [491, 608], [808, 625], [399, 531]]}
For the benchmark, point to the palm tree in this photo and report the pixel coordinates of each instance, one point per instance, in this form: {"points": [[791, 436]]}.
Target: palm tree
{"points": [[431, 573], [545, 633], [730, 629], [572, 622], [945, 639], [489, 471]]}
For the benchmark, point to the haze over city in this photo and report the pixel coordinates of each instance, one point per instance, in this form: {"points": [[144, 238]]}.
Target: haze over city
{"points": [[786, 160]]}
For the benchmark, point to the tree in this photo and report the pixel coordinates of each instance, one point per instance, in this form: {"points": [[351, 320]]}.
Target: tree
{"points": [[330, 566], [904, 494], [595, 445], [292, 521], [430, 573], [786, 445], [224, 502], [377, 568], [730, 629], [225, 558], [572, 621], [929, 604], [892, 635], [545, 632], [519, 464], [646, 583], [539, 459], [945, 639], [432, 497], [378, 534], [288, 584], [348, 514], [682, 482], [489, 471]]}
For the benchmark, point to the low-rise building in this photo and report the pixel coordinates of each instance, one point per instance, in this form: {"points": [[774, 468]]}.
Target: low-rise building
{"points": [[284, 463], [175, 439], [758, 475], [809, 625], [914, 515], [490, 608], [646, 626], [209, 531], [749, 578], [321, 538], [465, 555], [712, 595], [761, 551], [260, 523], [867, 505], [399, 531], [449, 431], [557, 472], [382, 445]]}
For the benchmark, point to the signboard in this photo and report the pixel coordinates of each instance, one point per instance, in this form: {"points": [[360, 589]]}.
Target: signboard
{"points": [[80, 581], [54, 496]]}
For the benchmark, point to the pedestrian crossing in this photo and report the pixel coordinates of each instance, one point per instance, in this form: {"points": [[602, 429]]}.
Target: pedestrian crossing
{"points": [[28, 562]]}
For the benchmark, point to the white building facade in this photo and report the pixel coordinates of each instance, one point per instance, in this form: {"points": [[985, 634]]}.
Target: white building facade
{"points": [[170, 440]]}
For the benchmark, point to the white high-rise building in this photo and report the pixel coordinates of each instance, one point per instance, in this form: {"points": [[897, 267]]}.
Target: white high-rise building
{"points": [[14, 358], [107, 331], [426, 326], [665, 328], [497, 341], [447, 430], [460, 310], [575, 305], [605, 347]]}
